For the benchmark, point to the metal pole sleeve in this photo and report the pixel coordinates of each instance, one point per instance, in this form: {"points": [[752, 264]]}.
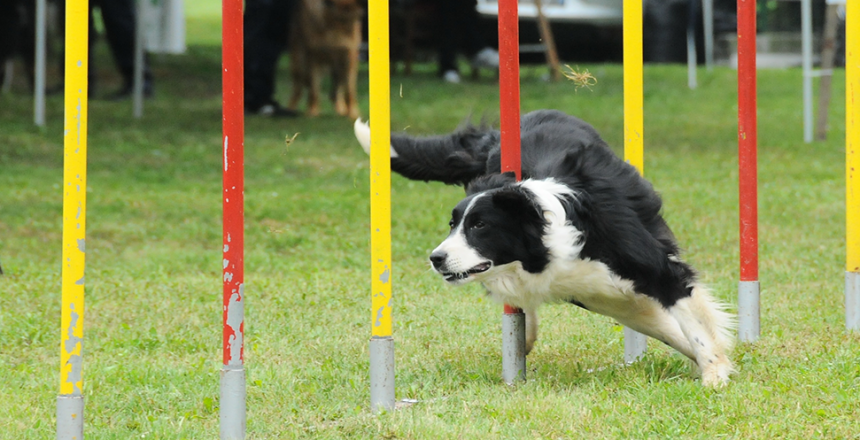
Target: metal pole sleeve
{"points": [[852, 163], [749, 315], [39, 80], [634, 119], [70, 414], [70, 418], [380, 170], [806, 31], [232, 413], [137, 84], [513, 347], [232, 404], [382, 374], [635, 345]]}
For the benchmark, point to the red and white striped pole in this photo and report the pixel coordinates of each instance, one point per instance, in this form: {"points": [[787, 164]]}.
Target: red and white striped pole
{"points": [[513, 319], [232, 403], [749, 327]]}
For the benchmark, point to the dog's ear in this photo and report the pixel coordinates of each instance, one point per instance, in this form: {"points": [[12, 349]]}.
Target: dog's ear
{"points": [[516, 201], [526, 214]]}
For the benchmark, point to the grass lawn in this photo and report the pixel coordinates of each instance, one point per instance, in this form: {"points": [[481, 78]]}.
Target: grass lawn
{"points": [[153, 318]]}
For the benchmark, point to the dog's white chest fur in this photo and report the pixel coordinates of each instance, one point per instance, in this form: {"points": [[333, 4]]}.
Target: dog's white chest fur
{"points": [[587, 282]]}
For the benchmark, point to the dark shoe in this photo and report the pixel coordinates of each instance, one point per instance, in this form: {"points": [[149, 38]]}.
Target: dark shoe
{"points": [[272, 110]]}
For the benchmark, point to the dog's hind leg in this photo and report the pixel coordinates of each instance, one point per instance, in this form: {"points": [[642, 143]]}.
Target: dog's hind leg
{"points": [[650, 318], [299, 83], [708, 330], [352, 93]]}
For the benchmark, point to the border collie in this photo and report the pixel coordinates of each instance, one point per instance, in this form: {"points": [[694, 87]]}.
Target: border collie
{"points": [[582, 227]]}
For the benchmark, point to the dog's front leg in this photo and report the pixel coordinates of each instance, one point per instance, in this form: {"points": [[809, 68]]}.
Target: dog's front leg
{"points": [[314, 93], [531, 329]]}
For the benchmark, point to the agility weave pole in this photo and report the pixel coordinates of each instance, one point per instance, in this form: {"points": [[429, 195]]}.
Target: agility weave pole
{"points": [[635, 343], [70, 402], [852, 165], [232, 409], [749, 326], [513, 319], [381, 340]]}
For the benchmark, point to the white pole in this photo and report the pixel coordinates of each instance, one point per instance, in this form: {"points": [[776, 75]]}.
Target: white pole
{"points": [[806, 31], [39, 80], [137, 87], [691, 60], [708, 19], [691, 46]]}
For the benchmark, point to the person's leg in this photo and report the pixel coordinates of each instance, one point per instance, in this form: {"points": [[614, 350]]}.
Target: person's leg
{"points": [[473, 43], [265, 23], [447, 36], [119, 17]]}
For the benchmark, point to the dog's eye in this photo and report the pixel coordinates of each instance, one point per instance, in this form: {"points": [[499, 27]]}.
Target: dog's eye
{"points": [[451, 224], [478, 225]]}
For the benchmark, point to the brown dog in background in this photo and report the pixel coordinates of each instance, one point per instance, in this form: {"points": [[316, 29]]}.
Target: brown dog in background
{"points": [[325, 35]]}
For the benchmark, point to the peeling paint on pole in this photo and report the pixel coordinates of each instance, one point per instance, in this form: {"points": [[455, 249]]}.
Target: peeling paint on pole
{"points": [[236, 322]]}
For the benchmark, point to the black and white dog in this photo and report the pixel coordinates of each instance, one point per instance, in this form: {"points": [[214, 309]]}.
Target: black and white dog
{"points": [[582, 227]]}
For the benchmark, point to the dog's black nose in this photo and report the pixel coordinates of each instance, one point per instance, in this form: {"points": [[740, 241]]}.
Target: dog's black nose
{"points": [[438, 258]]}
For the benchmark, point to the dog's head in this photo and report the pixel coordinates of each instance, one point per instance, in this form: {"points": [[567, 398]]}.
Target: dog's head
{"points": [[490, 230]]}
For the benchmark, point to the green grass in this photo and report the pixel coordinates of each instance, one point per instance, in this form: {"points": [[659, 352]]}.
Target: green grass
{"points": [[153, 317]]}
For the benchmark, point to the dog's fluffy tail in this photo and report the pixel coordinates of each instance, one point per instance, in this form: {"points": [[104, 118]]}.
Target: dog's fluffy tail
{"points": [[454, 158]]}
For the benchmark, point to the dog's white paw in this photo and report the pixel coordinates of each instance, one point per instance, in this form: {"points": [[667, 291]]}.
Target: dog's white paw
{"points": [[716, 375], [362, 134]]}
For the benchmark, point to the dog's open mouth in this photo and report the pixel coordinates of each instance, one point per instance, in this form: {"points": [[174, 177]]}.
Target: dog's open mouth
{"points": [[452, 277]]}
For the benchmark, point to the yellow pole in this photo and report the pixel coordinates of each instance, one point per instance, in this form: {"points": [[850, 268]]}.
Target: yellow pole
{"points": [[70, 402], [852, 165], [381, 341], [74, 196], [380, 170], [635, 343], [852, 133], [633, 107]]}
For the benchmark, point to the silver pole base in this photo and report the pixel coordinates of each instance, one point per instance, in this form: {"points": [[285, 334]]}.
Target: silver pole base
{"points": [[382, 374], [852, 301], [635, 345], [749, 321], [232, 404], [70, 417], [513, 347]]}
